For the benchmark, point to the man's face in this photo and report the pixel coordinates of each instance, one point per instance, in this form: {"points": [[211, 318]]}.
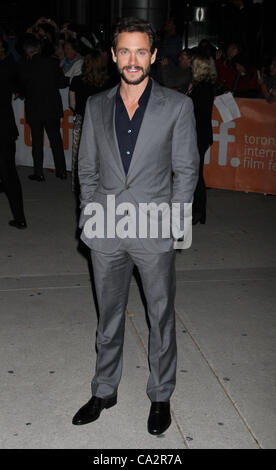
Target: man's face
{"points": [[133, 57]]}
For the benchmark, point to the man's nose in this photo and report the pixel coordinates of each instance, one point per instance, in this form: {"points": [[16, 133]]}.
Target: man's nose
{"points": [[132, 58]]}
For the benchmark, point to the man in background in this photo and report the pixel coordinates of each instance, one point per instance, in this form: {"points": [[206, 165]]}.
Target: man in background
{"points": [[40, 80]]}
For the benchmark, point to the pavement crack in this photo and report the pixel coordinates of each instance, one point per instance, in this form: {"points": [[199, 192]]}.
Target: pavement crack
{"points": [[23, 289], [227, 394]]}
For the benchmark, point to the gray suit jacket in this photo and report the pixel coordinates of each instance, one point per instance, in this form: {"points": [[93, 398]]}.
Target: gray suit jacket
{"points": [[164, 165]]}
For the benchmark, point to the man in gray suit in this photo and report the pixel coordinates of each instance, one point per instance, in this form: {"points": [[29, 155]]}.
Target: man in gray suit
{"points": [[138, 146]]}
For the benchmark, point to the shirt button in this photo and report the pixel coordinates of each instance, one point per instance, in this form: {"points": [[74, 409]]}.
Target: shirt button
{"points": [[128, 153], [129, 131]]}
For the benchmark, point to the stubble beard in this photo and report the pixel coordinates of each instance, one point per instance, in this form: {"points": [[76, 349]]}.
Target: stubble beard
{"points": [[139, 80]]}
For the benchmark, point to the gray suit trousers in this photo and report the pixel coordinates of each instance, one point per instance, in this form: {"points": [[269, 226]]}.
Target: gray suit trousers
{"points": [[112, 274]]}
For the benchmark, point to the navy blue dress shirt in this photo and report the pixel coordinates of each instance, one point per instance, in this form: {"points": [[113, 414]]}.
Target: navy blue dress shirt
{"points": [[127, 130]]}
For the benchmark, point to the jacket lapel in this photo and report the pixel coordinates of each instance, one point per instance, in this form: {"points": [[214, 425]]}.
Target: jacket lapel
{"points": [[150, 123], [148, 128], [108, 113]]}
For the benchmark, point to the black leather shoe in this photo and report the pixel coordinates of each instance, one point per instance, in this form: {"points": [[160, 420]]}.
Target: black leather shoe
{"points": [[16, 224], [38, 178], [62, 176], [92, 410], [159, 417]]}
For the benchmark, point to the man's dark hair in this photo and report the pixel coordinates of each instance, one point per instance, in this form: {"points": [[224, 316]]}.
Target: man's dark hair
{"points": [[133, 25]]}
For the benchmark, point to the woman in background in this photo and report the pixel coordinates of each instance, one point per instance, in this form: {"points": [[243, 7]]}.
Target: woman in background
{"points": [[204, 77], [268, 82], [226, 72], [94, 78], [246, 82], [72, 62]]}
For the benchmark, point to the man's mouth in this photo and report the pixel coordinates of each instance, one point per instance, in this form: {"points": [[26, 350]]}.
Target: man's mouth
{"points": [[133, 69]]}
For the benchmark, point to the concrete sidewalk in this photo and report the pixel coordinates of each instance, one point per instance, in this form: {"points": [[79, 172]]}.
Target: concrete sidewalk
{"points": [[226, 328]]}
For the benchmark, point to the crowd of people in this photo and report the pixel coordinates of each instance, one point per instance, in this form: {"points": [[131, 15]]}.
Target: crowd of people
{"points": [[46, 58]]}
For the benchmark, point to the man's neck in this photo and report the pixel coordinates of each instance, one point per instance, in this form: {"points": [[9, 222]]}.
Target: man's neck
{"points": [[132, 93]]}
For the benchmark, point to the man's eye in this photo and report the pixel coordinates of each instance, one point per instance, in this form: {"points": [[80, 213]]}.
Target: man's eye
{"points": [[123, 51], [142, 52]]}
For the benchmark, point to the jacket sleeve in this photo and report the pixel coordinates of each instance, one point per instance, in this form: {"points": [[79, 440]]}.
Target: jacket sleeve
{"points": [[88, 163], [185, 156], [185, 166]]}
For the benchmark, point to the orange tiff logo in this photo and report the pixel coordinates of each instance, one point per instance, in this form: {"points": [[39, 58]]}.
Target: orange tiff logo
{"points": [[65, 125]]}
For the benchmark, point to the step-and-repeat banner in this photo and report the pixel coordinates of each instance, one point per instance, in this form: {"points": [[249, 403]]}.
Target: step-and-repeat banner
{"points": [[242, 157]]}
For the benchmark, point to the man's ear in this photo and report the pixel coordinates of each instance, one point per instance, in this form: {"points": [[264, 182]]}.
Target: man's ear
{"points": [[114, 57], [153, 56]]}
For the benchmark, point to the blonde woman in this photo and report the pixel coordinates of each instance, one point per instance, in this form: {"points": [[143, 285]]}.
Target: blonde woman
{"points": [[93, 79], [202, 93]]}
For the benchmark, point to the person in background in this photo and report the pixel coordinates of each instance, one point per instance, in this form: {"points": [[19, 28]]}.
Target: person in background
{"points": [[40, 80], [94, 78], [268, 82], [67, 33], [47, 35], [104, 48], [202, 93], [59, 50], [10, 35], [171, 43], [72, 62], [85, 38], [47, 32], [42, 20], [246, 82], [208, 48], [8, 134], [226, 72], [185, 59], [179, 78]]}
